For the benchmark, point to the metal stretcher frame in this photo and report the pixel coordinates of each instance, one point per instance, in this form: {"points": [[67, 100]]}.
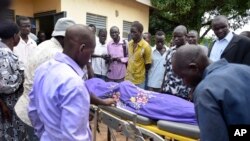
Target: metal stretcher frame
{"points": [[129, 129], [167, 135], [151, 127]]}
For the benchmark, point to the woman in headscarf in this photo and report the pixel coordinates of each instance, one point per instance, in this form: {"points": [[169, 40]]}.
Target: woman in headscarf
{"points": [[11, 80]]}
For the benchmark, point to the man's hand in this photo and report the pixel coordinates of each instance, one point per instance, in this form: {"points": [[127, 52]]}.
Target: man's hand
{"points": [[109, 101], [6, 113], [116, 59]]}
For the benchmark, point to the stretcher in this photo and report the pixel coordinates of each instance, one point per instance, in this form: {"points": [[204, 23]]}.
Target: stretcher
{"points": [[113, 117], [127, 128]]}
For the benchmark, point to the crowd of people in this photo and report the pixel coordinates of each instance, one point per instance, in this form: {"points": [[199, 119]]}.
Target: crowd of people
{"points": [[43, 95]]}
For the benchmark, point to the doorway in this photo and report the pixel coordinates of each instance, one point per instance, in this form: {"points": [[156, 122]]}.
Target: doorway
{"points": [[47, 21]]}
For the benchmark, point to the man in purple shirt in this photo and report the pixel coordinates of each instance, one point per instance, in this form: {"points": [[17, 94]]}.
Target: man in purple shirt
{"points": [[117, 49], [59, 101]]}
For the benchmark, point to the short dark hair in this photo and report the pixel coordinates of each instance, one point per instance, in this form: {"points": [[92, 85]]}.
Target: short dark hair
{"points": [[160, 33], [102, 30], [8, 29], [137, 25], [92, 25], [21, 18]]}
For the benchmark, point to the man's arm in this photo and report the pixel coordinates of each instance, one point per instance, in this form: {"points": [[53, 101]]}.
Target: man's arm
{"points": [[98, 101], [209, 113], [74, 107], [33, 115], [148, 57]]}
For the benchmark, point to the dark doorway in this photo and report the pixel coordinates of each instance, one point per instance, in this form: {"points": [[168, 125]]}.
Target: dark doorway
{"points": [[46, 24], [47, 21]]}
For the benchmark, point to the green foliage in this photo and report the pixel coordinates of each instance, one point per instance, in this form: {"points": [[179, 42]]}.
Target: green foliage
{"points": [[196, 13]]}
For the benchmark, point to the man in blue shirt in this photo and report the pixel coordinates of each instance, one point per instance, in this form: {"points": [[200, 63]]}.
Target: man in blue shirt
{"points": [[221, 91], [59, 101]]}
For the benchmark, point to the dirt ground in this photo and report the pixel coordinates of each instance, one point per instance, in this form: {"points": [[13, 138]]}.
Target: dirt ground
{"points": [[102, 136]]}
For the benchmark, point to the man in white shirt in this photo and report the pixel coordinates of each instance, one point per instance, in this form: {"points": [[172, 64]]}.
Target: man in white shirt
{"points": [[100, 56], [45, 51], [232, 47], [40, 54], [26, 45], [157, 69]]}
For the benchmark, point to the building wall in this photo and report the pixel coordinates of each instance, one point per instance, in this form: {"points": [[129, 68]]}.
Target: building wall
{"points": [[29, 7], [23, 7], [128, 10], [47, 5]]}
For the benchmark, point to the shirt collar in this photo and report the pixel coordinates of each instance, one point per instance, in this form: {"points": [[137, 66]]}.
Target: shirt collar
{"points": [[214, 66], [141, 42], [61, 57], [28, 42], [120, 42], [154, 48], [228, 37], [56, 42]]}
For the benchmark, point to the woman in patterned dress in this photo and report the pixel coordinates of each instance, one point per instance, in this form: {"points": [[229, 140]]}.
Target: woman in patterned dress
{"points": [[11, 80]]}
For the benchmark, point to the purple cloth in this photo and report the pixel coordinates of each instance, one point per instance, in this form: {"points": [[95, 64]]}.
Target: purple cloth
{"points": [[153, 105]]}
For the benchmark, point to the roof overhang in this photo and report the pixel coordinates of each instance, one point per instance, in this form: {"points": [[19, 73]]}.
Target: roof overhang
{"points": [[145, 2]]}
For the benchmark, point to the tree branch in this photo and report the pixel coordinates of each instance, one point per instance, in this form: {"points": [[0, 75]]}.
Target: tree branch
{"points": [[205, 33]]}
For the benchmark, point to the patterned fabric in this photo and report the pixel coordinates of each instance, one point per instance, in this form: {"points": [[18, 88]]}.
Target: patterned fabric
{"points": [[150, 104], [11, 79], [172, 84]]}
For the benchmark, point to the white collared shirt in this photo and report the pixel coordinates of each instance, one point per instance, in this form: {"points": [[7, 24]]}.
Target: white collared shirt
{"points": [[24, 50], [157, 69], [99, 65], [219, 46]]}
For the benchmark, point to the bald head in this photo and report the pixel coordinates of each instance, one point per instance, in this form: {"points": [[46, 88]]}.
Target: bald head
{"points": [[189, 63], [220, 26], [79, 43], [181, 28], [220, 18], [179, 35]]}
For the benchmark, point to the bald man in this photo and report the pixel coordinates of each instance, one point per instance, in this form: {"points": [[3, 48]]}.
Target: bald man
{"points": [[232, 47], [221, 91], [59, 101], [171, 83]]}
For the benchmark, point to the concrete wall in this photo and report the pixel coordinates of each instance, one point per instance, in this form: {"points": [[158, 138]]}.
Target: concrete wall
{"points": [[23, 7], [46, 5], [128, 10], [29, 7]]}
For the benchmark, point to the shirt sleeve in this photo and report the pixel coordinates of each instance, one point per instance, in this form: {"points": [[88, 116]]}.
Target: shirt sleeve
{"points": [[125, 58], [11, 77], [211, 123], [33, 115], [75, 104], [148, 55]]}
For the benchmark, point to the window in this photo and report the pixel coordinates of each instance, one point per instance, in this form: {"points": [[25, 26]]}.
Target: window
{"points": [[126, 29], [99, 21], [9, 14]]}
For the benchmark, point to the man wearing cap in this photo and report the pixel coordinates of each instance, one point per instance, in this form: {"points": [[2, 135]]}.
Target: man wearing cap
{"points": [[42, 53]]}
